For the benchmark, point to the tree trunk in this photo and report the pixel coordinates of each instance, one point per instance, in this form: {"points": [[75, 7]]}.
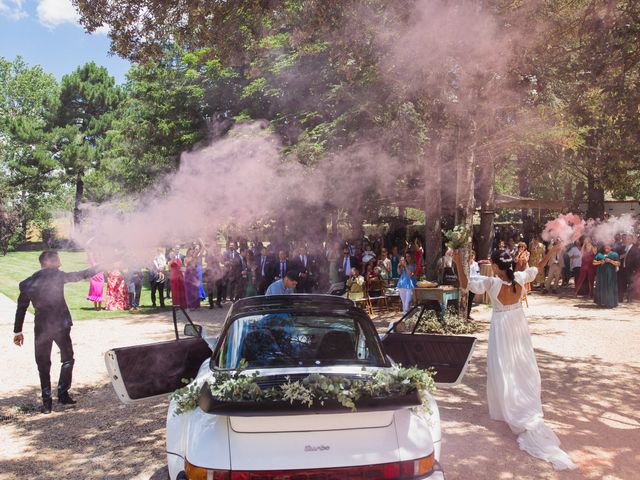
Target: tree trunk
{"points": [[595, 198], [357, 228], [524, 187], [77, 214], [487, 200], [464, 211], [432, 212], [334, 224]]}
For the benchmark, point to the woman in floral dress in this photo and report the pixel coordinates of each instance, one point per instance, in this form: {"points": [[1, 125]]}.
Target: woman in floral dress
{"points": [[117, 294]]}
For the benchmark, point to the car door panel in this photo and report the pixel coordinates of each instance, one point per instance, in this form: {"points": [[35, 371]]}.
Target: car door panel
{"points": [[145, 371], [449, 355]]}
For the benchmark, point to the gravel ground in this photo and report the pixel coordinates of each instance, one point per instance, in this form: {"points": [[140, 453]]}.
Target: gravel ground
{"points": [[589, 361]]}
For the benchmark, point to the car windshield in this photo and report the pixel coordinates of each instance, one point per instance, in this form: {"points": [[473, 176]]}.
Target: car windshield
{"points": [[292, 340]]}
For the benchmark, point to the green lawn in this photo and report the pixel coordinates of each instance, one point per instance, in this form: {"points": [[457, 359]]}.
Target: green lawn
{"points": [[16, 266]]}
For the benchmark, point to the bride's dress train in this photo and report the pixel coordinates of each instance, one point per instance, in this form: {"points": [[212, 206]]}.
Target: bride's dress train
{"points": [[513, 379]]}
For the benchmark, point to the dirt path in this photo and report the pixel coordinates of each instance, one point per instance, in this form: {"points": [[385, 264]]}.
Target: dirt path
{"points": [[589, 360]]}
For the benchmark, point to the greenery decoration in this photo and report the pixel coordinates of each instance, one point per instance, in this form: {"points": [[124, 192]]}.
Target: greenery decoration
{"points": [[451, 324], [458, 238], [313, 390]]}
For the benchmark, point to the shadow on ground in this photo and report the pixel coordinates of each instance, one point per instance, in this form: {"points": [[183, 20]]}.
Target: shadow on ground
{"points": [[592, 406], [98, 438]]}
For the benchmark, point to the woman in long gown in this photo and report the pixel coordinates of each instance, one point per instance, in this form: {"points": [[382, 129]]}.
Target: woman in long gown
{"points": [[191, 281], [606, 291], [513, 378], [536, 253], [522, 261], [199, 253], [587, 269], [252, 268], [117, 291], [96, 287], [418, 254], [176, 279]]}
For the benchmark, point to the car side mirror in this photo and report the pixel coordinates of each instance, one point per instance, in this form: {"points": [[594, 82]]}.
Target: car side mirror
{"points": [[193, 330]]}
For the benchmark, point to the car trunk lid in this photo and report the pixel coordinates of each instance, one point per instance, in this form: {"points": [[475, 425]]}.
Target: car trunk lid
{"points": [[312, 440]]}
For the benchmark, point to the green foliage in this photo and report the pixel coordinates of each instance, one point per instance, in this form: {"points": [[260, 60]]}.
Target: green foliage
{"points": [[29, 173], [315, 389], [16, 266], [459, 237], [452, 324]]}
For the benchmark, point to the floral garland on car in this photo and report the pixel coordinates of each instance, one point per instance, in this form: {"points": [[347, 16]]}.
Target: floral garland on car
{"points": [[312, 390]]}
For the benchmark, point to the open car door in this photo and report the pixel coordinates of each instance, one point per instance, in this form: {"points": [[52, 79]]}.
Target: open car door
{"points": [[145, 371], [448, 355]]}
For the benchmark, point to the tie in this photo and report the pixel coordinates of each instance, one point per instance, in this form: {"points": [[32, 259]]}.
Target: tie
{"points": [[281, 269], [262, 266], [344, 267]]}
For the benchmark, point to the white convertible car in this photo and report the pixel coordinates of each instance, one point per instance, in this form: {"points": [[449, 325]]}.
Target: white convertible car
{"points": [[285, 338]]}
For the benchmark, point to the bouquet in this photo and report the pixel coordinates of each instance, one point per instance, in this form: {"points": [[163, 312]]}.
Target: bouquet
{"points": [[458, 238]]}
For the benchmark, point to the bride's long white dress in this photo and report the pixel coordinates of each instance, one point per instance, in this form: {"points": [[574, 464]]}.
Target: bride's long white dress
{"points": [[513, 379]]}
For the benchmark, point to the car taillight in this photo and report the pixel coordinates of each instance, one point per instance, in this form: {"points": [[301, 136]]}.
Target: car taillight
{"points": [[417, 468], [406, 470], [199, 473]]}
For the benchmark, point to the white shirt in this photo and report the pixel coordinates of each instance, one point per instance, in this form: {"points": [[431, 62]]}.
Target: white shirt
{"points": [[160, 262], [474, 269], [626, 253], [575, 256]]}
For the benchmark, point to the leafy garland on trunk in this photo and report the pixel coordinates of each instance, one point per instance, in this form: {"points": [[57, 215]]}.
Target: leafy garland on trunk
{"points": [[312, 390]]}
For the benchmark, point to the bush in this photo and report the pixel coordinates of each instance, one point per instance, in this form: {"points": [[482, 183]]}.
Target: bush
{"points": [[451, 325]]}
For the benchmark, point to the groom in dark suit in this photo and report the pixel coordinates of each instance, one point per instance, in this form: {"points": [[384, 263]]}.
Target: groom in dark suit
{"points": [[45, 290]]}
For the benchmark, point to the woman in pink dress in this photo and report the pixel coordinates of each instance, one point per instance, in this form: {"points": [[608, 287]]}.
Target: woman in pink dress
{"points": [[96, 286], [418, 254], [176, 279], [117, 292]]}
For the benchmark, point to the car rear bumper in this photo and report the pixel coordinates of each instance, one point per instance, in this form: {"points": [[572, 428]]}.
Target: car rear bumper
{"points": [[436, 474]]}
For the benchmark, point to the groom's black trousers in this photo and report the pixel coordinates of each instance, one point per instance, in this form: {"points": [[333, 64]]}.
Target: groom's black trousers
{"points": [[43, 343]]}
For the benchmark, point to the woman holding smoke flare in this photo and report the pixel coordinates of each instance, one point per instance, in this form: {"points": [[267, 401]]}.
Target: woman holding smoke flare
{"points": [[513, 378]]}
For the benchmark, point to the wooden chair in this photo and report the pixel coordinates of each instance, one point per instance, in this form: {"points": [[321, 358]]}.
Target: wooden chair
{"points": [[361, 299], [379, 302]]}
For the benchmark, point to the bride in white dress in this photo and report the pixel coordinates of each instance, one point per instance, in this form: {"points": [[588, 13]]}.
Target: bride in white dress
{"points": [[513, 379]]}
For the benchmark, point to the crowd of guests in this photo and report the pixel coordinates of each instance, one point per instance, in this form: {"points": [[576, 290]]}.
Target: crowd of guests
{"points": [[607, 272], [207, 274], [196, 273]]}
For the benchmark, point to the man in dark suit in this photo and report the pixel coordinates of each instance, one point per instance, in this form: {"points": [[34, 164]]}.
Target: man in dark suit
{"points": [[629, 267], [346, 263], [303, 264], [264, 270], [227, 284], [45, 290], [280, 267]]}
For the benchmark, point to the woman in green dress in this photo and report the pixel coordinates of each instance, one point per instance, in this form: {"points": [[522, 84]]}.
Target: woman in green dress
{"points": [[606, 291], [252, 267]]}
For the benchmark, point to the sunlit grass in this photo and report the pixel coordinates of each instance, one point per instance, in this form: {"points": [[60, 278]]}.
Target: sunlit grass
{"points": [[16, 266]]}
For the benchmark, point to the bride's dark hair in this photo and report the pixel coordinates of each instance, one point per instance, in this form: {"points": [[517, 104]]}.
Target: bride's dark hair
{"points": [[504, 261]]}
